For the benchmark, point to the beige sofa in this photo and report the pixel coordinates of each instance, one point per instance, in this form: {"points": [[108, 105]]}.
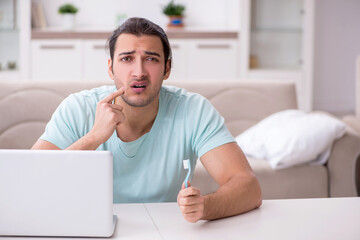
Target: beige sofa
{"points": [[25, 109], [354, 120]]}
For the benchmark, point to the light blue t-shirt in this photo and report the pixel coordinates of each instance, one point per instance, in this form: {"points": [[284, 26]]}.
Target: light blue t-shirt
{"points": [[149, 169]]}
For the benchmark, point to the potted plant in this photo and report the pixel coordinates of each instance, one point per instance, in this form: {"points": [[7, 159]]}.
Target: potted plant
{"points": [[68, 12], [175, 12]]}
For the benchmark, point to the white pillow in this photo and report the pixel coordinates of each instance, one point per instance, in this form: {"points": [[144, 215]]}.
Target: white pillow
{"points": [[292, 137]]}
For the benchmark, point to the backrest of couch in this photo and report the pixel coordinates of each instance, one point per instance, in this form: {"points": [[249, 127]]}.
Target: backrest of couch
{"points": [[244, 104], [26, 107]]}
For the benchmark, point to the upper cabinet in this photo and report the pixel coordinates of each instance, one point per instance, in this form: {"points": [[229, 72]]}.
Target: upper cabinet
{"points": [[276, 31], [277, 43], [14, 39]]}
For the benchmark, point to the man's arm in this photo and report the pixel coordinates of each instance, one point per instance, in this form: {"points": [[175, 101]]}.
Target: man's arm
{"points": [[239, 189], [107, 117]]}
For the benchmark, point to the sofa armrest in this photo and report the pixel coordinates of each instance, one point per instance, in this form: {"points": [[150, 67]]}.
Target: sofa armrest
{"points": [[353, 122], [344, 166]]}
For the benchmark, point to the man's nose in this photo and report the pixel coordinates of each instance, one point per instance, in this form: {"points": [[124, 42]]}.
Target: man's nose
{"points": [[139, 70]]}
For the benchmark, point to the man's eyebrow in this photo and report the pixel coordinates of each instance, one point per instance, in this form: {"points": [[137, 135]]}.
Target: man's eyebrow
{"points": [[152, 53], [126, 53]]}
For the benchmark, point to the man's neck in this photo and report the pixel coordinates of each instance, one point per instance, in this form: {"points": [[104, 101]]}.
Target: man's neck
{"points": [[138, 120]]}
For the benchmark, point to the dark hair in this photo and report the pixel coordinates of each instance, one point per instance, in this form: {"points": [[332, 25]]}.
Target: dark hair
{"points": [[140, 26]]}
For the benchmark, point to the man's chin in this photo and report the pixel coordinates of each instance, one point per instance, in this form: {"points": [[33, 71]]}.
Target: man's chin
{"points": [[136, 102]]}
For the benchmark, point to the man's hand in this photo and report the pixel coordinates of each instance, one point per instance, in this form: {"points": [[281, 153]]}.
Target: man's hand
{"points": [[107, 117], [191, 203]]}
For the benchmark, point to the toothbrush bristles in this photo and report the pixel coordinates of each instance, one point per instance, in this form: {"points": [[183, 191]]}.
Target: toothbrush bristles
{"points": [[186, 164]]}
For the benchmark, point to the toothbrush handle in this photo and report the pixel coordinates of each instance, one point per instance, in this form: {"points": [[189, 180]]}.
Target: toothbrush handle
{"points": [[187, 178]]}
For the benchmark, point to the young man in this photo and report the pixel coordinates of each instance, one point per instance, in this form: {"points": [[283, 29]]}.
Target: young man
{"points": [[151, 129]]}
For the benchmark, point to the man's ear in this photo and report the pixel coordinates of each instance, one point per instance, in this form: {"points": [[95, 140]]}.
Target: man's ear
{"points": [[167, 70], [110, 69]]}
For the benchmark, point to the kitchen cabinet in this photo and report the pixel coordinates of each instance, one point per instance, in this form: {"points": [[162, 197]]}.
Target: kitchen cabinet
{"points": [[95, 60], [56, 60], [277, 43], [204, 59], [82, 59], [14, 39]]}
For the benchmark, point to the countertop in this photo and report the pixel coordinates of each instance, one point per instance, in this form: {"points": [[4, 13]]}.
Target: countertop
{"points": [[104, 33]]}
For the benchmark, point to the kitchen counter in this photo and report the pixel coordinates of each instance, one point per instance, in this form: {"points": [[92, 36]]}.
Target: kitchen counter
{"points": [[104, 33]]}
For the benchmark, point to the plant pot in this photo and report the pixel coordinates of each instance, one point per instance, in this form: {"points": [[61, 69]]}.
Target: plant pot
{"points": [[68, 21], [175, 21]]}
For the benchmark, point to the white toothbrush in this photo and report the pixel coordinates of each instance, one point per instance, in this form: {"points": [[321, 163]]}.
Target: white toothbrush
{"points": [[187, 165]]}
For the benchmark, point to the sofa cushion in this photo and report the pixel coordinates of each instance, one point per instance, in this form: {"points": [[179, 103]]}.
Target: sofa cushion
{"points": [[304, 181]]}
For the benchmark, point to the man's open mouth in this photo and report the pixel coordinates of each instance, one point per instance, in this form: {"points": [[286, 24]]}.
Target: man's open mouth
{"points": [[139, 86]]}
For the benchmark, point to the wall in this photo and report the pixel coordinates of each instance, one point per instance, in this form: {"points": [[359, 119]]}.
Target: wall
{"points": [[199, 13], [337, 43]]}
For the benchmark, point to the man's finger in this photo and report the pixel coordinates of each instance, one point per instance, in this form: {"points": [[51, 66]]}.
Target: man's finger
{"points": [[183, 185], [189, 192], [114, 95], [190, 201], [117, 107]]}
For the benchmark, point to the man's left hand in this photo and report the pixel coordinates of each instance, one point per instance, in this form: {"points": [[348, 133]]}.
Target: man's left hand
{"points": [[191, 203]]}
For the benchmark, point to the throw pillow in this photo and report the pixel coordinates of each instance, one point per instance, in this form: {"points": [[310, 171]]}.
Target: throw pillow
{"points": [[292, 137]]}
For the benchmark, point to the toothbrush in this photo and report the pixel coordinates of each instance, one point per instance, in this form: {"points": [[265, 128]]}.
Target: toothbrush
{"points": [[187, 165]]}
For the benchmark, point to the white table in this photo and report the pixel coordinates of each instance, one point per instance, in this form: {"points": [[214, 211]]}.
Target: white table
{"points": [[325, 218]]}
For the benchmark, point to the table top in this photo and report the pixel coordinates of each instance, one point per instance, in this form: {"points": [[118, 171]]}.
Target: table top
{"points": [[322, 218], [326, 218]]}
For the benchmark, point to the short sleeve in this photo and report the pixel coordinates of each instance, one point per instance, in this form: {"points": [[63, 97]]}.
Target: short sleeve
{"points": [[67, 124], [207, 126]]}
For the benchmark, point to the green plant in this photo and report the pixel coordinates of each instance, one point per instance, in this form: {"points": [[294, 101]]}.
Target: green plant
{"points": [[172, 9], [68, 8]]}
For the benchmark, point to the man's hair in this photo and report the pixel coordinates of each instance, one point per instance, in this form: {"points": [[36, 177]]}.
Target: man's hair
{"points": [[140, 26]]}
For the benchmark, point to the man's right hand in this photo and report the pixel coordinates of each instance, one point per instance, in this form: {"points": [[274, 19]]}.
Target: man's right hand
{"points": [[107, 117]]}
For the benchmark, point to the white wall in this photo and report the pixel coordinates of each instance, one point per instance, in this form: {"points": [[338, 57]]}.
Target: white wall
{"points": [[337, 43], [102, 13]]}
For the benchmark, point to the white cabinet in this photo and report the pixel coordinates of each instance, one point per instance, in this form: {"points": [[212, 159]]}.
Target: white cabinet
{"points": [[277, 43], [95, 62], [69, 60], [204, 59], [213, 59], [179, 69], [193, 59], [56, 60]]}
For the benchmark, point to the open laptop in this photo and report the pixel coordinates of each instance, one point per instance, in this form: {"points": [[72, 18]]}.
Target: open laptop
{"points": [[56, 193]]}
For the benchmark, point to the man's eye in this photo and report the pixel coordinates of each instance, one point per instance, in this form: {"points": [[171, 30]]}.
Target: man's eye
{"points": [[151, 59], [125, 59]]}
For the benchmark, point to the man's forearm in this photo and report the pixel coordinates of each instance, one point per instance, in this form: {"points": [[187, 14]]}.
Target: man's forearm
{"points": [[87, 142], [240, 194]]}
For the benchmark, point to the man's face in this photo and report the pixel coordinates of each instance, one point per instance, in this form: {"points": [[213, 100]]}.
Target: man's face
{"points": [[138, 65]]}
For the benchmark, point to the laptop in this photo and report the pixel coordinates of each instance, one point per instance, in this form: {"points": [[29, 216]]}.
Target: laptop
{"points": [[56, 193]]}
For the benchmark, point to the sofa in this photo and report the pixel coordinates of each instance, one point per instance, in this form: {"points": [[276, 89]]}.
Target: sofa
{"points": [[354, 120], [26, 107]]}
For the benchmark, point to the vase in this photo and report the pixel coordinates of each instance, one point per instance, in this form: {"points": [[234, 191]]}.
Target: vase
{"points": [[175, 21], [68, 21]]}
